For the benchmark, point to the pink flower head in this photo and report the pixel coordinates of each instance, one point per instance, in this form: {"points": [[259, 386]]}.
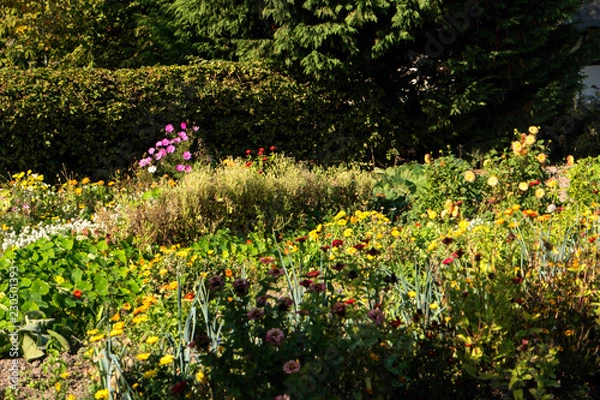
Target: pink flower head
{"points": [[188, 168], [169, 128], [183, 136], [151, 150], [158, 144], [162, 152], [183, 126], [165, 142], [275, 336], [376, 315], [282, 397], [187, 155], [195, 129], [291, 367], [145, 162], [177, 140], [448, 260], [171, 149], [180, 168], [261, 151]]}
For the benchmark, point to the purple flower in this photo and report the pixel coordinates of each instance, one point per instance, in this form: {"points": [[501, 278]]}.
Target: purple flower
{"points": [[183, 125], [291, 367], [165, 142], [183, 136], [255, 313], [240, 286], [339, 309], [171, 149], [188, 168], [317, 287], [275, 336], [187, 155], [180, 168], [376, 315], [169, 128], [285, 303]]}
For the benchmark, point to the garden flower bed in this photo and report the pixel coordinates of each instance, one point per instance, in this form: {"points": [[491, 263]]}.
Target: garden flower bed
{"points": [[258, 278]]}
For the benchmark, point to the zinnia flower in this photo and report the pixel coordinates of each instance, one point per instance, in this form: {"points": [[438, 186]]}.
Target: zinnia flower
{"points": [[469, 176], [275, 336], [376, 315], [187, 155], [171, 149], [291, 367], [255, 313], [492, 181]]}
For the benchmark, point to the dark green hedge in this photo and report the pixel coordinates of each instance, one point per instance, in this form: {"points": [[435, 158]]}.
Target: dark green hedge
{"points": [[94, 121]]}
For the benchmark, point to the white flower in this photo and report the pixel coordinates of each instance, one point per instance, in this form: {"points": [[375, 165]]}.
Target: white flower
{"points": [[152, 169], [551, 208]]}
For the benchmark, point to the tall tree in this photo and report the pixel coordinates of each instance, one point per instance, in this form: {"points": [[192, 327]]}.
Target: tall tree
{"points": [[452, 70]]}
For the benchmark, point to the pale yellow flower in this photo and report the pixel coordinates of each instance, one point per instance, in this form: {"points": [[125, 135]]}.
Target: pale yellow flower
{"points": [[529, 140], [59, 279], [523, 186], [539, 193], [570, 161], [534, 130], [427, 159], [492, 181], [470, 176], [541, 158]]}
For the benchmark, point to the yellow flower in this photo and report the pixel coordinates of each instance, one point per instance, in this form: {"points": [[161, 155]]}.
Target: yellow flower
{"points": [[431, 214], [139, 319], [71, 397], [541, 158], [492, 181], [100, 183], [85, 181], [116, 317], [65, 375], [152, 339], [101, 394], [523, 186], [395, 232], [163, 272], [78, 190], [340, 215], [374, 356], [534, 130], [569, 332], [412, 294], [200, 376], [116, 332], [143, 356], [57, 386], [168, 359], [150, 374], [539, 193], [351, 250], [434, 306], [59, 279], [427, 158], [119, 325], [348, 232], [517, 148], [469, 176], [529, 140], [97, 337]]}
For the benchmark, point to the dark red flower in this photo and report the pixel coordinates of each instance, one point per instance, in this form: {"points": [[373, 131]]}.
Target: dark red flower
{"points": [[337, 243], [339, 266], [317, 287], [373, 252], [359, 246], [395, 323], [77, 293], [339, 309], [313, 274], [325, 248], [447, 240], [534, 183], [517, 280], [267, 260], [301, 239], [305, 282], [179, 387]]}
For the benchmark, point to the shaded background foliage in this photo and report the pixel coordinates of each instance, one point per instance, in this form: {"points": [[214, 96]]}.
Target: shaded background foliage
{"points": [[414, 76]]}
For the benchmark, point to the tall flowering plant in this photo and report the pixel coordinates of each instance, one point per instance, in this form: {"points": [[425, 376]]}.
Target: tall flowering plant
{"points": [[172, 154]]}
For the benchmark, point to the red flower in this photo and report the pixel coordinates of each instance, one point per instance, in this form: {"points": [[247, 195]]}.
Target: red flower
{"points": [[337, 243], [313, 274], [448, 260], [179, 387], [359, 246], [350, 301], [306, 282], [272, 148], [534, 183], [248, 152], [395, 323], [261, 151], [77, 293], [325, 248], [301, 239], [248, 163], [189, 296]]}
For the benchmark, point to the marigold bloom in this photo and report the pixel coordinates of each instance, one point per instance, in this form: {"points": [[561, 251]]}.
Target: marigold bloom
{"points": [[143, 356], [470, 176], [168, 359], [101, 394], [152, 339]]}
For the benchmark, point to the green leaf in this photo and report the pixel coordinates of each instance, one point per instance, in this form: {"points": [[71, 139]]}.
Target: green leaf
{"points": [[40, 287], [101, 285], [30, 348], [64, 344]]}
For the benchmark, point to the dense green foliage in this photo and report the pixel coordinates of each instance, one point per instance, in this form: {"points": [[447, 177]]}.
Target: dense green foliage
{"points": [[93, 121]]}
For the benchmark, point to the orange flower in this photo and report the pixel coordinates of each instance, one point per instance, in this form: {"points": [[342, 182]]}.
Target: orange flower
{"points": [[228, 273], [77, 293]]}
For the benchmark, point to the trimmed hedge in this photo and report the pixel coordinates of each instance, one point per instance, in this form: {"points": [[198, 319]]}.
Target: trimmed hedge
{"points": [[94, 121]]}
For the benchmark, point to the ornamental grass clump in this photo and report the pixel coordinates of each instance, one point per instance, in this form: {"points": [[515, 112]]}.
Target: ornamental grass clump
{"points": [[239, 197]]}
